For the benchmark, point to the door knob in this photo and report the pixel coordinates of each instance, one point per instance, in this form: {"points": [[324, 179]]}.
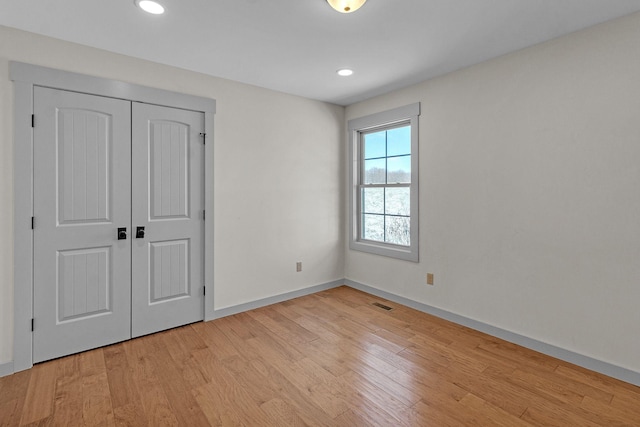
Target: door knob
{"points": [[122, 233], [139, 232]]}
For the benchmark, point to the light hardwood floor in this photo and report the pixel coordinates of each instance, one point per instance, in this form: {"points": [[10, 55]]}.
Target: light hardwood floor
{"points": [[329, 359]]}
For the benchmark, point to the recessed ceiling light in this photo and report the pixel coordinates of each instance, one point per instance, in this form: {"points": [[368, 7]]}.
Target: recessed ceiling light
{"points": [[344, 72], [150, 6]]}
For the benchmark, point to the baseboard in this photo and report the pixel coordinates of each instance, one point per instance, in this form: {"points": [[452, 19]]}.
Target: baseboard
{"points": [[228, 311], [6, 369], [587, 362]]}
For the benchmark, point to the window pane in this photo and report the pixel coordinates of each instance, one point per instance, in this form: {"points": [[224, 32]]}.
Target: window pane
{"points": [[373, 227], [373, 200], [397, 201], [399, 141], [399, 169], [374, 171], [397, 230], [374, 145]]}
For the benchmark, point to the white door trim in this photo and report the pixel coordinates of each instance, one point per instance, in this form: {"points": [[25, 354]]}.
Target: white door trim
{"points": [[25, 77]]}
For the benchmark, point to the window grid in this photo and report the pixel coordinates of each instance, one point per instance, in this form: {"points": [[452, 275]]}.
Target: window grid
{"points": [[363, 185]]}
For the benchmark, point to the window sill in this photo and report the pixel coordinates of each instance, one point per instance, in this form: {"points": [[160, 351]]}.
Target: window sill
{"points": [[384, 249]]}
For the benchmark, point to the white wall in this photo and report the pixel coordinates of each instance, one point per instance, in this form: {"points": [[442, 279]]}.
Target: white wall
{"points": [[530, 194], [278, 174]]}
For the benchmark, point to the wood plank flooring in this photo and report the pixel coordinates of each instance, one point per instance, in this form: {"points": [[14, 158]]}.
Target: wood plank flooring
{"points": [[329, 359]]}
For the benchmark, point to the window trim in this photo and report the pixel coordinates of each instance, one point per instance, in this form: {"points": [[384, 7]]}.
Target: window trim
{"points": [[407, 114]]}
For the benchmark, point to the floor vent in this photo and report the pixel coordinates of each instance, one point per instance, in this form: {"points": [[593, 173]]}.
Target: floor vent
{"points": [[382, 306]]}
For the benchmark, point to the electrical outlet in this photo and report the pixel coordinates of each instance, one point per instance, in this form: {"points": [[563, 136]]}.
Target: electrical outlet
{"points": [[299, 266], [429, 278]]}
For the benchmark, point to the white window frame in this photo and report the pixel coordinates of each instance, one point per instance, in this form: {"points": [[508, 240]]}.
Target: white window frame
{"points": [[398, 116]]}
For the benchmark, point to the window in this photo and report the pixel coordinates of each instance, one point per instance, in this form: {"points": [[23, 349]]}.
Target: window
{"points": [[384, 183]]}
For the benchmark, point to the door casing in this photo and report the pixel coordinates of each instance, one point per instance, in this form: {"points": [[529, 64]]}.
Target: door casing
{"points": [[25, 77]]}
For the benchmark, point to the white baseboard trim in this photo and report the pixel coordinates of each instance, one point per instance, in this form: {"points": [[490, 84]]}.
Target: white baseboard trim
{"points": [[217, 314], [587, 362], [6, 369]]}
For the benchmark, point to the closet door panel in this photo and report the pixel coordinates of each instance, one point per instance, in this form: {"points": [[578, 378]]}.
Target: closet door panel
{"points": [[82, 272], [168, 201]]}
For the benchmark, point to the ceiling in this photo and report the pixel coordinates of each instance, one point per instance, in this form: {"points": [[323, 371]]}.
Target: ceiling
{"points": [[296, 46]]}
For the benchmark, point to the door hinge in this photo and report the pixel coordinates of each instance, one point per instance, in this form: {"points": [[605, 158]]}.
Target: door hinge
{"points": [[204, 214], [32, 323], [204, 290], [33, 222], [204, 137], [33, 120]]}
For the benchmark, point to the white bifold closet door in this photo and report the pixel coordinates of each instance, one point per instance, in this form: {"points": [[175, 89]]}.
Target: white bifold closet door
{"points": [[97, 280]]}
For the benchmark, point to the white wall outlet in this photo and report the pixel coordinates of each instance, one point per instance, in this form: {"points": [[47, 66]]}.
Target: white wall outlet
{"points": [[299, 266]]}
